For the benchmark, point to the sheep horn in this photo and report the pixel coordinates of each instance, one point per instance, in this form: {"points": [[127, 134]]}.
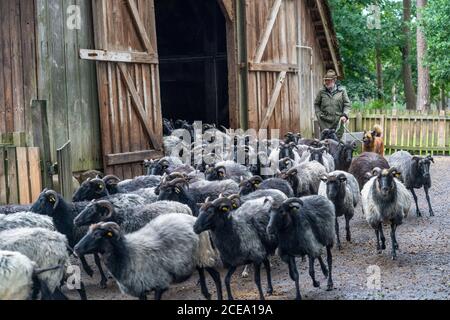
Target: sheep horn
{"points": [[376, 171], [111, 179], [55, 195], [107, 205]]}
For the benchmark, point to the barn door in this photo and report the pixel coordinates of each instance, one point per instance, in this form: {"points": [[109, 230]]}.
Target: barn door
{"points": [[128, 83], [272, 65]]}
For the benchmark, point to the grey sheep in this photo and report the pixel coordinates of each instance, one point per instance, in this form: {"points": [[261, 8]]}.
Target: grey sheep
{"points": [[115, 185], [165, 251], [131, 219], [227, 170], [304, 227], [10, 209], [415, 174], [240, 236], [320, 155], [385, 200], [342, 189], [25, 220], [305, 178], [19, 277], [277, 196], [45, 247]]}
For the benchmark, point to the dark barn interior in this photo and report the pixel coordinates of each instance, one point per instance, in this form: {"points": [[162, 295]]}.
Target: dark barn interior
{"points": [[193, 62]]}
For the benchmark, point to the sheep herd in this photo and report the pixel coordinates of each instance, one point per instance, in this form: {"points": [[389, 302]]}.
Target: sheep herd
{"points": [[277, 196]]}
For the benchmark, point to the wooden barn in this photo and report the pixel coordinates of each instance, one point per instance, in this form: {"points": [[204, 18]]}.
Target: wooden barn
{"points": [[104, 73]]}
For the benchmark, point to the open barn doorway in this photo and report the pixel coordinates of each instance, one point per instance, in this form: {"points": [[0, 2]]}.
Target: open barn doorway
{"points": [[192, 50]]}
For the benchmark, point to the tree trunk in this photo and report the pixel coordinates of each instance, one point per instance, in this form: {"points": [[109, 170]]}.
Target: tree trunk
{"points": [[410, 94], [443, 97], [379, 70], [423, 73]]}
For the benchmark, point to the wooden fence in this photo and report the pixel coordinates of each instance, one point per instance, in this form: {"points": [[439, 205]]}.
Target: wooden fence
{"points": [[417, 132], [20, 171]]}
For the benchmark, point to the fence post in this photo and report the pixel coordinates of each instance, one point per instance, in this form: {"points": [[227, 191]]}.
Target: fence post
{"points": [[359, 125], [41, 139], [65, 171]]}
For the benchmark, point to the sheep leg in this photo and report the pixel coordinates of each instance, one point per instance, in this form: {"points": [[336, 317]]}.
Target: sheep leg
{"points": [[159, 293], [383, 239], [323, 267], [203, 287], [419, 214], [394, 241], [98, 263], [269, 276], [230, 272], [258, 279], [377, 233], [336, 226], [216, 277], [347, 229], [330, 267], [312, 273], [86, 267], [429, 201], [82, 291], [293, 273]]}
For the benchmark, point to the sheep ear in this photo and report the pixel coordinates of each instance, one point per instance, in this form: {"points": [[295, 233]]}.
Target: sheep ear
{"points": [[342, 178]]}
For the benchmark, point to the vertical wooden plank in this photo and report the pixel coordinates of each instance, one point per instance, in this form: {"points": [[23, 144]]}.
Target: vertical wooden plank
{"points": [[23, 175], [65, 170], [13, 190], [7, 66], [35, 173], [3, 191]]}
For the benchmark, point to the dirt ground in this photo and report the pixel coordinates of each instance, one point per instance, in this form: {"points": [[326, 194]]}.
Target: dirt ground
{"points": [[422, 270]]}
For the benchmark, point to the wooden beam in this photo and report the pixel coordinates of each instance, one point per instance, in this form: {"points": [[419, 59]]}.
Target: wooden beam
{"points": [[118, 56], [140, 27], [137, 103], [270, 22], [227, 9], [272, 67], [328, 36], [132, 157], [273, 99]]}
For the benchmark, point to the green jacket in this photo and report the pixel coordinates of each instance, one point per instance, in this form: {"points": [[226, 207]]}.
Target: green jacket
{"points": [[331, 107]]}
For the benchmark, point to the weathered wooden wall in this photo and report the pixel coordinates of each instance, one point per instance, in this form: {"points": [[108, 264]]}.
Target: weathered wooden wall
{"points": [[68, 83], [39, 60]]}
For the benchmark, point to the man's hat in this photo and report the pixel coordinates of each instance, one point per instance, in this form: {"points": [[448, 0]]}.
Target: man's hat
{"points": [[330, 75]]}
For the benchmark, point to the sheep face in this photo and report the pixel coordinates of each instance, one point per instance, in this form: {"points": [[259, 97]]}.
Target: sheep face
{"points": [[317, 154], [285, 164], [250, 185], [329, 134], [158, 168], [291, 176], [47, 203], [216, 174], [347, 151], [173, 191], [287, 150], [98, 238], [282, 218], [90, 190], [335, 185], [422, 166], [292, 137], [213, 215], [385, 182], [95, 212]]}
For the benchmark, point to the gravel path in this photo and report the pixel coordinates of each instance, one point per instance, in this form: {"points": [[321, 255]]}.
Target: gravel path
{"points": [[422, 270]]}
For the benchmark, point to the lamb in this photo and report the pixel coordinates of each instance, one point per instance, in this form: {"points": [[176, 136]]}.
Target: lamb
{"points": [[129, 220], [320, 155], [363, 165], [305, 178], [385, 200], [415, 174], [10, 209], [19, 277], [240, 236], [165, 251], [304, 226], [257, 183], [342, 189], [373, 141], [45, 247], [342, 153], [25, 220], [227, 170]]}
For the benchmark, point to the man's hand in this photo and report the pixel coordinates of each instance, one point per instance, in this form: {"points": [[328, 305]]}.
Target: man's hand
{"points": [[344, 120]]}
